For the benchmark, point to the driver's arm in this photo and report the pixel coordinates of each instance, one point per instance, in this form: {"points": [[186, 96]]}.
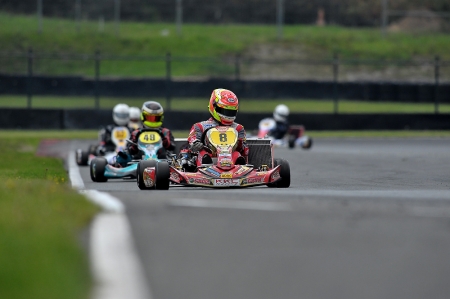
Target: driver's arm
{"points": [[132, 148], [169, 140]]}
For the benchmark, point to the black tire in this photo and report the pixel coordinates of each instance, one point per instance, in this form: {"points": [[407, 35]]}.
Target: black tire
{"points": [[309, 144], [140, 170], [97, 170], [285, 174], [291, 141], [82, 157], [162, 175]]}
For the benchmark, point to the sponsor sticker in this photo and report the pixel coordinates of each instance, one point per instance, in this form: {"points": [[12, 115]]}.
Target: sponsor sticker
{"points": [[201, 181], [256, 180], [225, 163], [226, 182], [175, 177], [276, 175], [149, 177], [213, 172], [242, 170], [226, 175]]}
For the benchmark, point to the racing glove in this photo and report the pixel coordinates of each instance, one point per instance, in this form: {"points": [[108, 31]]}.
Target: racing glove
{"points": [[196, 146]]}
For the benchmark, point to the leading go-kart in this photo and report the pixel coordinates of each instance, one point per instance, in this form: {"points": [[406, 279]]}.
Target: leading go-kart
{"points": [[150, 146], [119, 137], [221, 141]]}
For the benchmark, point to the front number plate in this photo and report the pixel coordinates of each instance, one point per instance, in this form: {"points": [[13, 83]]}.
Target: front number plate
{"points": [[226, 182]]}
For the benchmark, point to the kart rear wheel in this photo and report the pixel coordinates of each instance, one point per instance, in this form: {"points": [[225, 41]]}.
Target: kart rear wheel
{"points": [[140, 171], [81, 157], [97, 170], [162, 175], [308, 143], [291, 141], [285, 174]]}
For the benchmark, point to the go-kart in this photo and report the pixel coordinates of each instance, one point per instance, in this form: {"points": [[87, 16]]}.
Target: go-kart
{"points": [[150, 146], [295, 136], [119, 137], [221, 141]]}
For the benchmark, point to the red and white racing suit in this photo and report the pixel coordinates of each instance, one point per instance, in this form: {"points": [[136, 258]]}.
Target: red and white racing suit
{"points": [[199, 128]]}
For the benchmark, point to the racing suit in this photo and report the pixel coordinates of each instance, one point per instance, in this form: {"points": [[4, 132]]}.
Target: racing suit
{"points": [[196, 134], [106, 143], [280, 129], [133, 152]]}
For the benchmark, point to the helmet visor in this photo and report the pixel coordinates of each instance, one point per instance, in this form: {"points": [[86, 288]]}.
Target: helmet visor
{"points": [[121, 115], [153, 118], [226, 112]]}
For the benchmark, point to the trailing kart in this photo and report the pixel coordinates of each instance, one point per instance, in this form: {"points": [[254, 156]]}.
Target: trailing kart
{"points": [[150, 145], [119, 137], [261, 168], [295, 136]]}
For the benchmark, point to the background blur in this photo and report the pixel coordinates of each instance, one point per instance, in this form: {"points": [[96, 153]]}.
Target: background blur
{"points": [[385, 51]]}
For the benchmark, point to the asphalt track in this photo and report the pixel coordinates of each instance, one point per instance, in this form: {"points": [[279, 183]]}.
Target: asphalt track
{"points": [[362, 219]]}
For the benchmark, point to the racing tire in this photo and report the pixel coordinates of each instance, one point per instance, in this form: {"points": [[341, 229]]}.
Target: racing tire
{"points": [[81, 157], [97, 170], [162, 175], [308, 144], [291, 141], [139, 173], [285, 174]]}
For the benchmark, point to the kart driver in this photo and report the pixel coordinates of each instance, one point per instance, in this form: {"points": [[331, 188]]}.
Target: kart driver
{"points": [[152, 116], [121, 117], [223, 107], [135, 118], [280, 115]]}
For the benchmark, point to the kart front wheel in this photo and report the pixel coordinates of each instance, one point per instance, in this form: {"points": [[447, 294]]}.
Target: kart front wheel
{"points": [[162, 175], [142, 165], [81, 157], [285, 174], [97, 170]]}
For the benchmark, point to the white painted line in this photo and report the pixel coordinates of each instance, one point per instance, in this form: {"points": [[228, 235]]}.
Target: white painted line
{"points": [[230, 204], [114, 261], [108, 202], [74, 172], [117, 270]]}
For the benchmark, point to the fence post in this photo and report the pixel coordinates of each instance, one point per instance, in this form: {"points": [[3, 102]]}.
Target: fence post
{"points": [[237, 67], [39, 15], [97, 79], [280, 18], [179, 16], [436, 84], [30, 57], [384, 17], [335, 81], [168, 79]]}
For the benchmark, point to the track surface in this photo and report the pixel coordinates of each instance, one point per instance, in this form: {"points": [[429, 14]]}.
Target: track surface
{"points": [[362, 219]]}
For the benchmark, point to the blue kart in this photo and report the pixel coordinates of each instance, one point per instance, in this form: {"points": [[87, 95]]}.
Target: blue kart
{"points": [[150, 145]]}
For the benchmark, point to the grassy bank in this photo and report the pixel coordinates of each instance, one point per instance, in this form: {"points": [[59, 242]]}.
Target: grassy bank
{"points": [[246, 105], [41, 219], [18, 33]]}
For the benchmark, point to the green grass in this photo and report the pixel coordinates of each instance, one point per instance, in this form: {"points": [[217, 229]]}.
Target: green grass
{"points": [[18, 33], [41, 219], [246, 105]]}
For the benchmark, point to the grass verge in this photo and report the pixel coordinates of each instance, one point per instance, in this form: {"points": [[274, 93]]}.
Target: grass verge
{"points": [[246, 105], [18, 33], [41, 218]]}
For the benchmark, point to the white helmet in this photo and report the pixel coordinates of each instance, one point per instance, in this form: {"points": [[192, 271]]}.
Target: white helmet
{"points": [[281, 112], [121, 114], [135, 114]]}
